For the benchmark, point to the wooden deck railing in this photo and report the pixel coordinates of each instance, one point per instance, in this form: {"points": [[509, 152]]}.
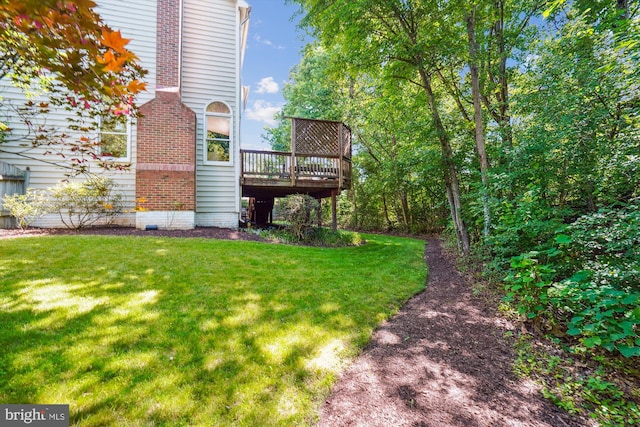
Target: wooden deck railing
{"points": [[273, 166], [320, 157]]}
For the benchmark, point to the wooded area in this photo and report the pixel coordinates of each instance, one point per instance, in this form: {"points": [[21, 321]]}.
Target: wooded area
{"points": [[513, 125]]}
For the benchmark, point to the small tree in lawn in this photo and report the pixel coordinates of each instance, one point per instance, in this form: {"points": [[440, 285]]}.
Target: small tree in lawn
{"points": [[63, 49], [299, 210]]}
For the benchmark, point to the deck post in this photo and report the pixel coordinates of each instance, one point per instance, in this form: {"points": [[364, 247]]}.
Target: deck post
{"points": [[293, 152], [334, 209], [340, 154], [319, 213]]}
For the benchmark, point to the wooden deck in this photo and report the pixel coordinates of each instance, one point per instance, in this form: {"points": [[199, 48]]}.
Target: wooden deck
{"points": [[319, 163]]}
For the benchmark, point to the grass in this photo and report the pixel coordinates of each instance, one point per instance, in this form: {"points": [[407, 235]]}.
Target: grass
{"points": [[159, 331]]}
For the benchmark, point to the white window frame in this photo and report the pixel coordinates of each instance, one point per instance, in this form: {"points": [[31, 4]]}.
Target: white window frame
{"points": [[99, 139], [205, 144]]}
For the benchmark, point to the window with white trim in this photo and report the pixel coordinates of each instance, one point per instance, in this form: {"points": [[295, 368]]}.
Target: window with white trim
{"points": [[218, 141], [114, 136]]}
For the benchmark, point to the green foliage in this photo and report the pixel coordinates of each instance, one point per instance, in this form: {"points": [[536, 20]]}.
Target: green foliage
{"points": [[299, 211], [594, 390], [316, 236], [27, 207], [524, 222], [608, 244], [528, 284], [81, 204], [589, 278], [603, 295]]}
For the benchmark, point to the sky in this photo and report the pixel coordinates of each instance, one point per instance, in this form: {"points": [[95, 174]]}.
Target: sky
{"points": [[273, 47]]}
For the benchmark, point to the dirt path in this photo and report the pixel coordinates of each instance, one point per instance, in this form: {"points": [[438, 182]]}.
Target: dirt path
{"points": [[442, 361]]}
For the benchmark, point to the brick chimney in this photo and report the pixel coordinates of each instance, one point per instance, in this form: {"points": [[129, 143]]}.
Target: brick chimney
{"points": [[166, 138]]}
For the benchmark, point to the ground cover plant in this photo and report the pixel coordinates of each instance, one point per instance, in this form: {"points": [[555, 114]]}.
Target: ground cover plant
{"points": [[162, 331]]}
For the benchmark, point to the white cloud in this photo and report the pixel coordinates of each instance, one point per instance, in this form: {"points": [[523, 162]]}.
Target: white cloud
{"points": [[266, 42], [268, 85], [263, 111]]}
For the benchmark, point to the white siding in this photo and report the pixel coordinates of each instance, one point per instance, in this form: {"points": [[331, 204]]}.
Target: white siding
{"points": [[210, 73], [137, 21]]}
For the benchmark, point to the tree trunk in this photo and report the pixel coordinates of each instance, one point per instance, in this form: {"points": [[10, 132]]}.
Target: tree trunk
{"points": [[503, 116], [479, 131], [386, 210], [404, 206], [449, 169]]}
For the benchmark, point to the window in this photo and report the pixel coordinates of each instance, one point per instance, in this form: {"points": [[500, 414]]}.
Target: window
{"points": [[218, 146], [114, 137]]}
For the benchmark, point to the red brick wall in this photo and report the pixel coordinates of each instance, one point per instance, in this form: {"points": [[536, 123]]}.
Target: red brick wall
{"points": [[168, 42], [165, 190], [166, 139]]}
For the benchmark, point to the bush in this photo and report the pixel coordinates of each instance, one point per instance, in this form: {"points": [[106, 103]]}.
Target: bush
{"points": [[321, 236], [299, 210], [26, 208], [81, 204], [589, 280], [601, 289]]}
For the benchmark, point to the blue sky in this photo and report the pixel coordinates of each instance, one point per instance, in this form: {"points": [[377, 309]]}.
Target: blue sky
{"points": [[273, 48]]}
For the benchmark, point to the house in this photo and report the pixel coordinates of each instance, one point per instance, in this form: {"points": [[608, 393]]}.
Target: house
{"points": [[186, 165], [189, 130]]}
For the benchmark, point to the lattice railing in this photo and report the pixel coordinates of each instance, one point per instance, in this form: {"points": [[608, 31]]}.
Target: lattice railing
{"points": [[320, 137]]}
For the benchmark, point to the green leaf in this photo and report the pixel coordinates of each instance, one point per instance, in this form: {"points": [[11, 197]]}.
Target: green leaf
{"points": [[592, 342], [574, 331], [616, 337], [627, 351], [580, 276], [627, 327], [552, 7], [563, 239]]}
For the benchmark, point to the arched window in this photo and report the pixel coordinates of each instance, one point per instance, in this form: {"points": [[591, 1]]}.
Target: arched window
{"points": [[218, 133]]}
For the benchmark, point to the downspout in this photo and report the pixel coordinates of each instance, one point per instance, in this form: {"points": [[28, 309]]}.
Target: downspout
{"points": [[244, 14], [180, 36]]}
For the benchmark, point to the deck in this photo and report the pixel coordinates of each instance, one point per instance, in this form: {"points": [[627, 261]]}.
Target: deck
{"points": [[319, 163]]}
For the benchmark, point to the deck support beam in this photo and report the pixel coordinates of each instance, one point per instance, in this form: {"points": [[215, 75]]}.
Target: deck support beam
{"points": [[334, 210]]}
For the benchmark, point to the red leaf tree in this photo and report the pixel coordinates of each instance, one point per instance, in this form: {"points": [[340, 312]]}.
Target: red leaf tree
{"points": [[64, 49]]}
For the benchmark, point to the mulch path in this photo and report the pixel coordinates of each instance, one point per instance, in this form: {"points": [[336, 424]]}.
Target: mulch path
{"points": [[443, 360]]}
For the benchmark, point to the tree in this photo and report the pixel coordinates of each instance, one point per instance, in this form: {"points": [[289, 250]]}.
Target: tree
{"points": [[400, 38], [63, 49]]}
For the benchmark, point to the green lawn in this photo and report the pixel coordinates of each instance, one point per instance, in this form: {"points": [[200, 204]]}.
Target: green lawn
{"points": [[158, 331]]}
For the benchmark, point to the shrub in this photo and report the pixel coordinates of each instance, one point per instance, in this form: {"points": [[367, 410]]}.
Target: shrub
{"points": [[299, 210], [600, 291], [81, 204], [588, 279], [27, 207]]}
